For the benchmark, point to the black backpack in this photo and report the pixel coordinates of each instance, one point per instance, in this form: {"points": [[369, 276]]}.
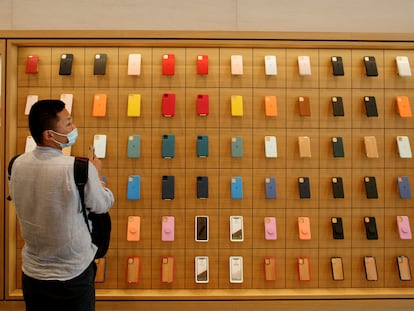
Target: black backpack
{"points": [[101, 223]]}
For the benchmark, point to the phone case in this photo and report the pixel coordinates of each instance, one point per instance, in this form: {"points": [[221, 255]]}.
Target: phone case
{"points": [[68, 100], [168, 105], [304, 269], [370, 265], [236, 105], [403, 66], [304, 187], [337, 147], [270, 228], [99, 145], [134, 64], [236, 188], [404, 148], [304, 228], [270, 270], [337, 228], [134, 146], [370, 66], [403, 105], [100, 275], [237, 147], [270, 188], [134, 105], [404, 269], [371, 187], [99, 105], [304, 65], [134, 228], [337, 66], [201, 228], [370, 104], [337, 187], [32, 63], [404, 229], [236, 269], [270, 106], [304, 106], [168, 64], [201, 269], [202, 64], [168, 185], [236, 229], [203, 105], [270, 146], [202, 146], [168, 146], [65, 66], [134, 187], [30, 101], [337, 106], [99, 65], [371, 228], [337, 269], [404, 187], [304, 147], [30, 144], [202, 187], [167, 228], [371, 149], [236, 65], [270, 65], [167, 269], [133, 269]]}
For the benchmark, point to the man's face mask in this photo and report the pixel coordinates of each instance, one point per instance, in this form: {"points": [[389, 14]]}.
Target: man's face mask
{"points": [[71, 136]]}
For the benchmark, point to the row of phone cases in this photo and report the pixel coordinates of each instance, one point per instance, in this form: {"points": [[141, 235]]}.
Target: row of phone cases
{"points": [[168, 107], [201, 228], [201, 269], [236, 63]]}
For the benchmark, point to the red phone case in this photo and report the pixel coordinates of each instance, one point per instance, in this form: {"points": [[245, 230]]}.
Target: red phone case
{"points": [[202, 104], [168, 105], [32, 62], [202, 64], [168, 64]]}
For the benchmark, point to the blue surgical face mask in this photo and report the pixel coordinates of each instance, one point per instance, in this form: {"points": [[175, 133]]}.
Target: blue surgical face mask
{"points": [[71, 136]]}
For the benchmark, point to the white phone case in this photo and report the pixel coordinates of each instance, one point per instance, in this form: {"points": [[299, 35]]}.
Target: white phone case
{"points": [[403, 66], [236, 269], [270, 146], [68, 100], [270, 65], [134, 64], [99, 144], [404, 148], [201, 269], [237, 65], [304, 65], [30, 101], [236, 229], [30, 144]]}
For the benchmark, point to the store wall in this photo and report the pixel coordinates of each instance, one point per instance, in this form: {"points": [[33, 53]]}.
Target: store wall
{"points": [[230, 15]]}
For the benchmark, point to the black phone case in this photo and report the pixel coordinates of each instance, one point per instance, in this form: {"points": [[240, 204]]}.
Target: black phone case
{"points": [[337, 66], [371, 228], [65, 67], [202, 228], [371, 187], [99, 66], [338, 147], [202, 187], [338, 106], [168, 187], [337, 188], [370, 66], [337, 228], [370, 106], [304, 188]]}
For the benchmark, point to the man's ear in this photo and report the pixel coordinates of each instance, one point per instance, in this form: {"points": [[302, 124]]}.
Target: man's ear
{"points": [[47, 136]]}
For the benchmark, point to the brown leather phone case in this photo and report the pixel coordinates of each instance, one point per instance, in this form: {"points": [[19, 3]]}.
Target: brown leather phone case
{"points": [[304, 106]]}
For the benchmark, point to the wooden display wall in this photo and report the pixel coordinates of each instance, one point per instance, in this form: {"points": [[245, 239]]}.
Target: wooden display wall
{"points": [[253, 167]]}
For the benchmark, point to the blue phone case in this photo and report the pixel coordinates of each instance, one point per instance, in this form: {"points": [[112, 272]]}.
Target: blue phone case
{"points": [[404, 187], [236, 188], [168, 146], [202, 146], [134, 146], [270, 188], [134, 187], [236, 146]]}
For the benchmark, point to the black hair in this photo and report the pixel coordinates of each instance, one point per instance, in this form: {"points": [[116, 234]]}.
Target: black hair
{"points": [[43, 116]]}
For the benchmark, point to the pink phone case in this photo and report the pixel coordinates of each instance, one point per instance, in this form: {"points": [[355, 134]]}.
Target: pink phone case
{"points": [[167, 228], [404, 229], [270, 228]]}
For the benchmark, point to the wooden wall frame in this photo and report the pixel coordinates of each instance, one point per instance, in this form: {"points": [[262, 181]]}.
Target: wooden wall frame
{"points": [[13, 41]]}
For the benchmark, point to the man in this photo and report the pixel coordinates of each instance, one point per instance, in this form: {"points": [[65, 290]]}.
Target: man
{"points": [[58, 254]]}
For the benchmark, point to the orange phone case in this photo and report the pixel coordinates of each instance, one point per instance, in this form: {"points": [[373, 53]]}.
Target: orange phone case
{"points": [[133, 269], [304, 228], [404, 108], [270, 106], [304, 269], [270, 268], [100, 270], [133, 228], [99, 105], [167, 269]]}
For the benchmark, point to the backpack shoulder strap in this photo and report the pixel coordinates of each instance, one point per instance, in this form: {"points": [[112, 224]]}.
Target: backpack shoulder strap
{"points": [[80, 172]]}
